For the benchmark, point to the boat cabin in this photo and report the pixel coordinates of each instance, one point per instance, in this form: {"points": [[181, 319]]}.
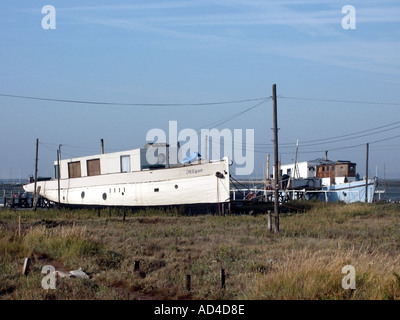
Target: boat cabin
{"points": [[327, 171], [336, 172], [152, 156]]}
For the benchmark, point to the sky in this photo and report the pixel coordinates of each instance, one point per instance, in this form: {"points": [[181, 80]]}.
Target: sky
{"points": [[115, 70]]}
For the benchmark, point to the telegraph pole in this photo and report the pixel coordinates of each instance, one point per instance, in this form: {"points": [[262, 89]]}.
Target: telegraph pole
{"points": [[35, 195], [58, 173], [366, 174], [276, 165]]}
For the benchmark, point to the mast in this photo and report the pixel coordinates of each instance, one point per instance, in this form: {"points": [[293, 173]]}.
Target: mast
{"points": [[267, 170]]}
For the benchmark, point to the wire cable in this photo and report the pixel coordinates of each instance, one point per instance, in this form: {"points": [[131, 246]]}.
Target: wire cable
{"points": [[342, 101], [129, 104]]}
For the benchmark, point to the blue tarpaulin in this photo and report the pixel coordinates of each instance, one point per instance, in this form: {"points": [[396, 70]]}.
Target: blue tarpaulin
{"points": [[191, 158]]}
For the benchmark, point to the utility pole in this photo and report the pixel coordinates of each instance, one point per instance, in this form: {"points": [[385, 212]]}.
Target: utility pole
{"points": [[58, 172], [276, 165], [366, 174], [36, 175]]}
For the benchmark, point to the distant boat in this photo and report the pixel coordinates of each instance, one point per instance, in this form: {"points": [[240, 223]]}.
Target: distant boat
{"points": [[130, 179], [328, 181]]}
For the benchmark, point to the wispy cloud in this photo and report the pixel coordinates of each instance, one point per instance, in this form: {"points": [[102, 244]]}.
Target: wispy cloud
{"points": [[239, 24]]}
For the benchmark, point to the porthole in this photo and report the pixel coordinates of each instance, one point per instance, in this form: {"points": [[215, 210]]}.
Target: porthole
{"points": [[104, 196], [156, 190], [83, 194], [176, 186]]}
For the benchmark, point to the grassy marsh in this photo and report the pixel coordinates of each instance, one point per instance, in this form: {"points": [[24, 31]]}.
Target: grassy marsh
{"points": [[303, 261]]}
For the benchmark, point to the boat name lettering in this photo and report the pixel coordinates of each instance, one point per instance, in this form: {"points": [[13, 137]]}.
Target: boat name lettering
{"points": [[193, 171]]}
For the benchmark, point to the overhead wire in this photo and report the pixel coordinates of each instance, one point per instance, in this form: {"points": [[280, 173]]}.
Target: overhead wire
{"points": [[260, 146], [341, 101], [128, 104]]}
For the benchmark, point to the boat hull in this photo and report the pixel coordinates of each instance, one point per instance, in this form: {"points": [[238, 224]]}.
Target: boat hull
{"points": [[349, 192], [204, 183]]}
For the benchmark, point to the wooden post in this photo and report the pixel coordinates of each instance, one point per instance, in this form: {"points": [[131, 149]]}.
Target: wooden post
{"points": [[366, 174], [276, 164], [25, 268], [124, 213], [188, 283], [269, 220], [223, 279], [19, 226]]}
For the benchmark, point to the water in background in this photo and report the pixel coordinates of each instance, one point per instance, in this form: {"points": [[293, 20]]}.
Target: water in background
{"points": [[392, 190], [391, 187]]}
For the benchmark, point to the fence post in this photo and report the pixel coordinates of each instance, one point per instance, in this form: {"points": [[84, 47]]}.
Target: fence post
{"points": [[223, 279], [188, 282], [269, 221], [25, 268]]}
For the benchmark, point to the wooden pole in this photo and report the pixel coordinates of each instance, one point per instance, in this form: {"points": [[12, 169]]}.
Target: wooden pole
{"points": [[59, 173], [267, 170], [366, 174], [223, 279], [188, 283], [269, 220], [19, 226], [36, 175], [25, 268], [276, 164]]}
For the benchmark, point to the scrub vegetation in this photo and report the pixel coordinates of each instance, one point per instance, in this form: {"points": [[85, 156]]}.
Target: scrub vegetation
{"points": [[303, 261]]}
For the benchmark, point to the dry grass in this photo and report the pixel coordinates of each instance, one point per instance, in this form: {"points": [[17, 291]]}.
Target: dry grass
{"points": [[303, 261]]}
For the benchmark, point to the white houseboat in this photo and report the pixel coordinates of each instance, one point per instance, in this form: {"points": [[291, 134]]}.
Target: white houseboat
{"points": [[151, 176], [328, 181]]}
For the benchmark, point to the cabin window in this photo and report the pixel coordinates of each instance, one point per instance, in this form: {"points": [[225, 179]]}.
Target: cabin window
{"points": [[74, 169], [93, 167], [156, 190], [125, 163]]}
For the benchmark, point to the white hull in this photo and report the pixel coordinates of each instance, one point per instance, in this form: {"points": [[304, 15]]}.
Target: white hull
{"points": [[350, 192], [347, 192], [192, 184]]}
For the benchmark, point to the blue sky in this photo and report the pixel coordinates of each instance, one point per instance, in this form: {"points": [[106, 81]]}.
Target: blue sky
{"points": [[338, 89]]}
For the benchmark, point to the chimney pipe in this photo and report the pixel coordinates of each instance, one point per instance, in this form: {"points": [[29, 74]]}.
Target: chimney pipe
{"points": [[102, 146]]}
